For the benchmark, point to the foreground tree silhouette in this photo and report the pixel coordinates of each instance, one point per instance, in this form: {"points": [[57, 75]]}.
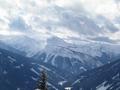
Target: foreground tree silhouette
{"points": [[42, 82]]}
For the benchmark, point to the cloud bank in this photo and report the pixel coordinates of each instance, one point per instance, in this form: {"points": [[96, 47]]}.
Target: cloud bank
{"points": [[66, 19]]}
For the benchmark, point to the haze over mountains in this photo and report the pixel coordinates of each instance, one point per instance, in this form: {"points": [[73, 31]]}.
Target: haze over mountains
{"points": [[70, 36]]}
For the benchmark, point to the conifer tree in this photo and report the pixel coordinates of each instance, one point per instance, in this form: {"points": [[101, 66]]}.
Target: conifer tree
{"points": [[42, 82]]}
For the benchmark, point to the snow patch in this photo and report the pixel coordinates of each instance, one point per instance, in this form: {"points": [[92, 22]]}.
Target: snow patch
{"points": [[33, 70], [11, 59], [102, 86], [61, 83]]}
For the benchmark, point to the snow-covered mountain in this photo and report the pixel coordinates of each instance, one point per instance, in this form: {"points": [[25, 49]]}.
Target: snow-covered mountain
{"points": [[64, 55], [66, 37], [77, 59], [18, 72], [9, 48], [22, 43], [106, 77]]}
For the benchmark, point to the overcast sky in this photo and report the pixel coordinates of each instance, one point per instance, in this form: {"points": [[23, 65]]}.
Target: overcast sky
{"points": [[61, 18]]}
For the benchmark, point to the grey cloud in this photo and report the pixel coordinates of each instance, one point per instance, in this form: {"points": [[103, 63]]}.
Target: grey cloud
{"points": [[104, 39], [108, 24], [117, 19], [78, 22], [117, 1], [18, 24]]}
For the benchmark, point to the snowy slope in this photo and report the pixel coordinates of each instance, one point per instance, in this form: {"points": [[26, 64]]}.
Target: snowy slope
{"points": [[106, 77], [9, 48], [62, 55], [19, 72], [22, 43], [77, 58]]}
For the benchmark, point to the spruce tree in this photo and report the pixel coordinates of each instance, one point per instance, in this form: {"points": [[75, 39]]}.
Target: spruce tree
{"points": [[42, 82]]}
